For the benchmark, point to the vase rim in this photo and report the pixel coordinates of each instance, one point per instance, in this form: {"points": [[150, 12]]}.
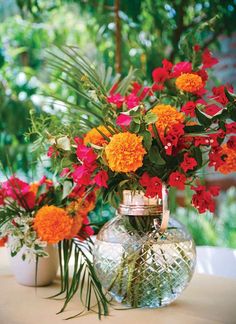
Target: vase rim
{"points": [[135, 203]]}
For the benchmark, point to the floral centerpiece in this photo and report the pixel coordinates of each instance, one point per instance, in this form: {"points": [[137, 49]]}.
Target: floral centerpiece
{"points": [[150, 134], [139, 141], [31, 216], [34, 219]]}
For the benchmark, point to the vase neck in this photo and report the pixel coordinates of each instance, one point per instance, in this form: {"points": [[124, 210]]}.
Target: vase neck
{"points": [[134, 203]]}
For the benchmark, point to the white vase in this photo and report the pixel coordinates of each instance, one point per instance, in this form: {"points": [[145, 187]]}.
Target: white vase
{"points": [[25, 271]]}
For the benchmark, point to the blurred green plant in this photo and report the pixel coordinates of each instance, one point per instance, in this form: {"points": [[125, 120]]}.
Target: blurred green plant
{"points": [[25, 78], [209, 229], [142, 32]]}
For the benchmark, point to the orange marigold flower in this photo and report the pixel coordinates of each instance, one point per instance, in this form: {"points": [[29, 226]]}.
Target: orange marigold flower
{"points": [[52, 224], [94, 137], [191, 123], [125, 152], [189, 82], [77, 214], [167, 117], [230, 161]]}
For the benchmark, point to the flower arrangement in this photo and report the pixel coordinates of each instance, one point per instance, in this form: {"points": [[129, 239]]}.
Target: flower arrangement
{"points": [[138, 137], [143, 136], [34, 215]]}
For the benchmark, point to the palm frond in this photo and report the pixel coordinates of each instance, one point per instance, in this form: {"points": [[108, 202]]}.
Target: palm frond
{"points": [[83, 78], [83, 281]]}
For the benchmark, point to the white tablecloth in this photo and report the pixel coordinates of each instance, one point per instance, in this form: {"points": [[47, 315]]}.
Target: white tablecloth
{"points": [[208, 300]]}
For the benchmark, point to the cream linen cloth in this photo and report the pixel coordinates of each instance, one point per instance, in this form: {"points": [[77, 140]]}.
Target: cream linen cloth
{"points": [[207, 300]]}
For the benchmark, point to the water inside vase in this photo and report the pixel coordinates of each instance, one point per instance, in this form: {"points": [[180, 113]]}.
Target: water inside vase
{"points": [[145, 273]]}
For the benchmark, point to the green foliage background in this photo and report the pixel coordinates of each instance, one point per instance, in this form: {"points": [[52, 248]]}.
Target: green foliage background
{"points": [[150, 30]]}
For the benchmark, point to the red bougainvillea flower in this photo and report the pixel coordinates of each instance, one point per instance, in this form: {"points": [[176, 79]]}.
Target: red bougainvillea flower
{"points": [[219, 94], [86, 230], [154, 188], [65, 172], [202, 140], [203, 74], [3, 241], [116, 99], [20, 191], [212, 110], [145, 179], [231, 144], [77, 192], [123, 120], [101, 179], [214, 190], [216, 138], [215, 158], [231, 128], [15, 187], [196, 47], [208, 60], [140, 91], [189, 163], [153, 185], [82, 174], [160, 75], [158, 87], [167, 65], [171, 140], [52, 152], [212, 140], [45, 181], [132, 101], [202, 200], [177, 180], [189, 108], [2, 196], [181, 67], [86, 154]]}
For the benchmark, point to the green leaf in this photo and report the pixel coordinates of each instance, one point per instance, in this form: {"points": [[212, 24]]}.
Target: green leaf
{"points": [[134, 127], [155, 156], [197, 154], [13, 253], [203, 119], [194, 129], [125, 83], [67, 187], [150, 118], [147, 139], [230, 96], [232, 111]]}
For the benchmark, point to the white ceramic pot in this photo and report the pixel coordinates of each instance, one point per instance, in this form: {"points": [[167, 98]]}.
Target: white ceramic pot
{"points": [[25, 271]]}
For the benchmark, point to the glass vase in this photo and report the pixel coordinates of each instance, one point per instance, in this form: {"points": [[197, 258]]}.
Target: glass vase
{"points": [[138, 265]]}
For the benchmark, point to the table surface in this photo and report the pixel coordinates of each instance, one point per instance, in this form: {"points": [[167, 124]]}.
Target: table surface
{"points": [[208, 300]]}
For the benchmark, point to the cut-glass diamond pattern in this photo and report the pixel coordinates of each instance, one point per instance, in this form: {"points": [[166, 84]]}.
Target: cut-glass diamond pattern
{"points": [[144, 271]]}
